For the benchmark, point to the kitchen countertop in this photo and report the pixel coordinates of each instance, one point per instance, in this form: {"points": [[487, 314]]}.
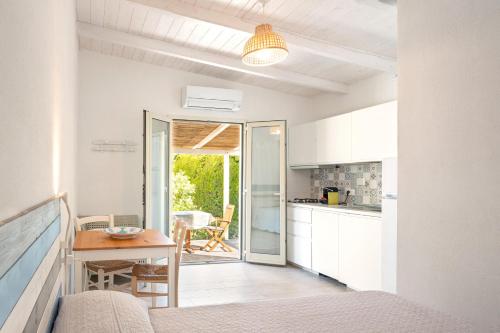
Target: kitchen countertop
{"points": [[359, 210]]}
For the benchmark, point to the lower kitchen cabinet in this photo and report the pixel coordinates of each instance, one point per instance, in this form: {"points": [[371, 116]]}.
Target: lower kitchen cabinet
{"points": [[360, 263], [344, 246], [325, 243], [298, 243], [298, 251]]}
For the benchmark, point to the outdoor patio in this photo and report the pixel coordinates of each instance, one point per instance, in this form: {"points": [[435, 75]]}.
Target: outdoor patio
{"points": [[206, 176], [199, 256]]}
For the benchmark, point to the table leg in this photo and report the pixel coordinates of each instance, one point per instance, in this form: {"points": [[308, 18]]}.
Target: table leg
{"points": [[172, 278], [78, 276]]}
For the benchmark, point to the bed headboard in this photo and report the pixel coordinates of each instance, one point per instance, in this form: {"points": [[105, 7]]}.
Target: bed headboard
{"points": [[31, 269]]}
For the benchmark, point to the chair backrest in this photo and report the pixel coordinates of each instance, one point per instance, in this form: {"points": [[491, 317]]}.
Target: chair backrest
{"points": [[127, 221], [94, 222], [228, 213], [178, 237]]}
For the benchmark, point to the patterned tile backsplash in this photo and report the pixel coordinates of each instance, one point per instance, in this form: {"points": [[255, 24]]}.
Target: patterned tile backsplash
{"points": [[363, 180]]}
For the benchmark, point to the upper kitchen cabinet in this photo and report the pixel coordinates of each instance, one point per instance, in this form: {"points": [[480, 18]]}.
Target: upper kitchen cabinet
{"points": [[374, 133], [302, 141], [334, 140], [365, 135]]}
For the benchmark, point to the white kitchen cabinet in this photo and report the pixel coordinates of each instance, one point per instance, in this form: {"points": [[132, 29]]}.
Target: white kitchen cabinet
{"points": [[374, 133], [298, 251], [299, 236], [365, 135], [325, 243], [301, 145], [334, 140], [360, 252], [339, 243]]}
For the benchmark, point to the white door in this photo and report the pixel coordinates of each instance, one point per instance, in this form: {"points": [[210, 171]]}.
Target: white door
{"points": [[265, 193], [156, 171]]}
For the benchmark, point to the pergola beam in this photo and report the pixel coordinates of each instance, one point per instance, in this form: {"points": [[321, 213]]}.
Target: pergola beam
{"points": [[212, 135]]}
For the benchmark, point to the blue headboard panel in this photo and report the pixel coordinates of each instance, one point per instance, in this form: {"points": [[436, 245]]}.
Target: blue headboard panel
{"points": [[25, 241]]}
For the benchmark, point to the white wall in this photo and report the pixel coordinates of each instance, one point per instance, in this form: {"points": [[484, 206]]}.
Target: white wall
{"points": [[372, 91], [449, 136], [38, 71], [113, 93]]}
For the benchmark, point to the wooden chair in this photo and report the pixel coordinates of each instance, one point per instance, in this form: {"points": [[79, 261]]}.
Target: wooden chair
{"points": [[218, 230], [151, 273], [106, 269]]}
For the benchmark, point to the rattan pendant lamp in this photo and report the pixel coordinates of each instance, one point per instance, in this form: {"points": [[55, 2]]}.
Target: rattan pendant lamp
{"points": [[265, 47]]}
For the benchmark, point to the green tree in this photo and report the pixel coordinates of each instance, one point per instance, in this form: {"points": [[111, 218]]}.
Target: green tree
{"points": [[206, 173], [183, 192]]}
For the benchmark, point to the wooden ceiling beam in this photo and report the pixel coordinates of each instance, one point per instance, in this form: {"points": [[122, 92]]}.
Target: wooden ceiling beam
{"points": [[294, 41], [206, 58], [211, 136]]}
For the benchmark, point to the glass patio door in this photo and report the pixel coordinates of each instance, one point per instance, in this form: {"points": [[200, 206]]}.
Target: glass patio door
{"points": [[156, 172], [265, 182]]}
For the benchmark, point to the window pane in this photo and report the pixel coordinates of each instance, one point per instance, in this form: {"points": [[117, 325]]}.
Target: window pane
{"points": [[265, 213]]}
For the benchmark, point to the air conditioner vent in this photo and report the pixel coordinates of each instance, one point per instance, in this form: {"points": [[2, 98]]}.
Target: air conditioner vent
{"points": [[212, 99]]}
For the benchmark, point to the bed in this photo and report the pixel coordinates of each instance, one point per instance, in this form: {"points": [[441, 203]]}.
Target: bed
{"points": [[33, 297], [351, 312]]}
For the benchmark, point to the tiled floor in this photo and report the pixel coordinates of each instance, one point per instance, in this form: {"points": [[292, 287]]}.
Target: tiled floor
{"points": [[243, 282]]}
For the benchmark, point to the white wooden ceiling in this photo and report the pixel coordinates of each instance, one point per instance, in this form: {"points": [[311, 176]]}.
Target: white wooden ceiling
{"points": [[364, 26]]}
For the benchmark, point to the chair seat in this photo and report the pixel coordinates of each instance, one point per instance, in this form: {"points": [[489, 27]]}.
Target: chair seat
{"points": [[109, 265], [211, 227], [150, 272]]}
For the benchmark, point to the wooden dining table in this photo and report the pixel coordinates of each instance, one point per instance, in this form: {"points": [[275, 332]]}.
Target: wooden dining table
{"points": [[96, 245]]}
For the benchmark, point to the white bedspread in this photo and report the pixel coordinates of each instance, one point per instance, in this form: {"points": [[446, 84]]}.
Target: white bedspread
{"points": [[345, 313]]}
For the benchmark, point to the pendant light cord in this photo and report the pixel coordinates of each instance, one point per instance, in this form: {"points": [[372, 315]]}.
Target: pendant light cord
{"points": [[263, 4]]}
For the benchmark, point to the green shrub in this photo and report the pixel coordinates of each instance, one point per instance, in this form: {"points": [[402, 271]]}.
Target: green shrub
{"points": [[206, 174], [182, 192]]}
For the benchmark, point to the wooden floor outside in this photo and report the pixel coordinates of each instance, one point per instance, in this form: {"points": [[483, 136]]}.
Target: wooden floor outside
{"points": [[217, 255]]}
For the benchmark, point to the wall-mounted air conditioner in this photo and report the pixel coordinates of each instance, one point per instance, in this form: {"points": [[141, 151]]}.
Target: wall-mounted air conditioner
{"points": [[214, 99]]}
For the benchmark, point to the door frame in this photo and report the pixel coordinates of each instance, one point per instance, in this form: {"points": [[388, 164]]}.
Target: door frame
{"points": [[280, 259], [241, 208], [244, 197]]}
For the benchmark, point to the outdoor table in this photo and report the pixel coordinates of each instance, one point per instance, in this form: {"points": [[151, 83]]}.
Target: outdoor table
{"points": [[194, 220]]}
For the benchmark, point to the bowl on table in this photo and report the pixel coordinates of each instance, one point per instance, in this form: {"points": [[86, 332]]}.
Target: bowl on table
{"points": [[123, 232]]}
